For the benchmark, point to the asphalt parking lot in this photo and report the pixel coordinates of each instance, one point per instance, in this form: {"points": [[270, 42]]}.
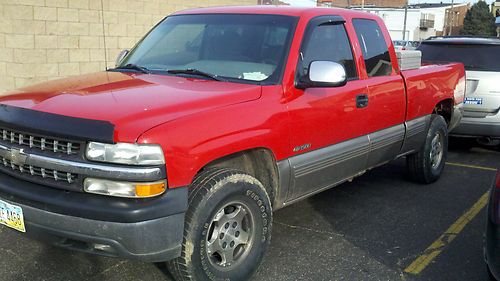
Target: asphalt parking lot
{"points": [[379, 227]]}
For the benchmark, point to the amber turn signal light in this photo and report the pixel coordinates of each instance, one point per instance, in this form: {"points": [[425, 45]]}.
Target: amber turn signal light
{"points": [[151, 189], [124, 189]]}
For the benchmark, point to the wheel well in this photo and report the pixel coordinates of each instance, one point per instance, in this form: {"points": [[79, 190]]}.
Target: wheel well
{"points": [[445, 109], [259, 163]]}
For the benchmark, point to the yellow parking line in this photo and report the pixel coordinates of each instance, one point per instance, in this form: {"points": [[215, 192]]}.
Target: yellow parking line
{"points": [[451, 233], [471, 166]]}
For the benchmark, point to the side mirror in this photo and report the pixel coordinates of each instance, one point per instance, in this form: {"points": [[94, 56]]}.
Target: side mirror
{"points": [[121, 56], [324, 74]]}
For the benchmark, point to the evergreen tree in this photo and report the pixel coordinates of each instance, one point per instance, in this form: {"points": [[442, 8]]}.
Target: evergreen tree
{"points": [[479, 21]]}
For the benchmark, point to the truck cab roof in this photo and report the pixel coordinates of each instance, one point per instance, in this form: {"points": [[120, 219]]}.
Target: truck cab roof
{"points": [[277, 10]]}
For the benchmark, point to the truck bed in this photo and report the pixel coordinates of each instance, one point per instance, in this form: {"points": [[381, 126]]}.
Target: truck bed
{"points": [[424, 80]]}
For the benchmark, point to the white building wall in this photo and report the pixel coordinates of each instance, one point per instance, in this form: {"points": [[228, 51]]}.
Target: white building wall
{"points": [[439, 16], [394, 20]]}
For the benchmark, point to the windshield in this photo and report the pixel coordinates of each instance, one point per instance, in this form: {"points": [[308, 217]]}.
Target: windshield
{"points": [[249, 48], [474, 57]]}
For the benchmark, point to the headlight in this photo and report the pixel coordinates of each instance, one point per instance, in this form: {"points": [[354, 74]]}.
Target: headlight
{"points": [[124, 189], [125, 153]]}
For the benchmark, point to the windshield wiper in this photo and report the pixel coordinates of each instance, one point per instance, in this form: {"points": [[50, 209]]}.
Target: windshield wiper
{"points": [[194, 71], [134, 67]]}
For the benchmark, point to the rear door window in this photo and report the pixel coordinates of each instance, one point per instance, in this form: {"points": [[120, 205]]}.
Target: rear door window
{"points": [[374, 47], [474, 57]]}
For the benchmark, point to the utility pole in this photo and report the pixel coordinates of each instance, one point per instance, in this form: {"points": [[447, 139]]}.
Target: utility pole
{"points": [[406, 17], [451, 20]]}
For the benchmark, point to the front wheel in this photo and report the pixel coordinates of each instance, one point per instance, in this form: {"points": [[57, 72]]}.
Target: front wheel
{"points": [[426, 165], [227, 229]]}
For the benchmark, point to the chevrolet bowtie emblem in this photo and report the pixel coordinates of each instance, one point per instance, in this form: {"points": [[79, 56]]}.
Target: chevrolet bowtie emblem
{"points": [[17, 156]]}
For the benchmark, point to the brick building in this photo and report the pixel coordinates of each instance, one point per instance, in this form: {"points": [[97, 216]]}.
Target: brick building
{"points": [[454, 19], [48, 39], [495, 6], [358, 3]]}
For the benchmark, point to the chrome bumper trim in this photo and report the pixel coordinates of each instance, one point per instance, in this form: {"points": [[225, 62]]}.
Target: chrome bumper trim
{"points": [[19, 157]]}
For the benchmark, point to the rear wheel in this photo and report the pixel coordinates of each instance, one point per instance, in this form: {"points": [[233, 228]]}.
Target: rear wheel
{"points": [[227, 228], [426, 165]]}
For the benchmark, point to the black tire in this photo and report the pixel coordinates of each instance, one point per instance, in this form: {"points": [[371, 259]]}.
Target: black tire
{"points": [[215, 197], [423, 166]]}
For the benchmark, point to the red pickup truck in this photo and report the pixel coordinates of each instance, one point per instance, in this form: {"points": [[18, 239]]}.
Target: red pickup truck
{"points": [[216, 118]]}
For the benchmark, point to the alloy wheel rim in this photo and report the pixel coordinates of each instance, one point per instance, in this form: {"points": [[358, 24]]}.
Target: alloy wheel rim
{"points": [[436, 153], [230, 238]]}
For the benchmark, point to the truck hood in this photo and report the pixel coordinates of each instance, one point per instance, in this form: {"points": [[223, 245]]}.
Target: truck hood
{"points": [[132, 102]]}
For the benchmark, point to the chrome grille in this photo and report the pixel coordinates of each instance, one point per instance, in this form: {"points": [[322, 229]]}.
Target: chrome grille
{"points": [[39, 172], [41, 143]]}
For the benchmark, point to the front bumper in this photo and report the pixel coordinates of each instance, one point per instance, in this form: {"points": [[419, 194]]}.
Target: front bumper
{"points": [[149, 230]]}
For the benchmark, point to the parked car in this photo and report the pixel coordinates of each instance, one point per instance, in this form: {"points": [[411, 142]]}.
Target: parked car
{"points": [[492, 242], [405, 44], [481, 57], [218, 117]]}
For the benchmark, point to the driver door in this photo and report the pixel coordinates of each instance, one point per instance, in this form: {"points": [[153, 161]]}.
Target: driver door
{"points": [[328, 124]]}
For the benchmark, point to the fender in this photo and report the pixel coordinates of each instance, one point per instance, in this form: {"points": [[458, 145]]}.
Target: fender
{"points": [[191, 142]]}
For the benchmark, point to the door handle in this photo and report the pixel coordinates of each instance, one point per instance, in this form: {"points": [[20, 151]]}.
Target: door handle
{"points": [[361, 100]]}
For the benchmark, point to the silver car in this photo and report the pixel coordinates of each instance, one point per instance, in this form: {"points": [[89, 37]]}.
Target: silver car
{"points": [[481, 58]]}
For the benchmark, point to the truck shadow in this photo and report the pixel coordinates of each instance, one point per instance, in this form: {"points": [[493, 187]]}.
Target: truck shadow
{"points": [[36, 261], [390, 219]]}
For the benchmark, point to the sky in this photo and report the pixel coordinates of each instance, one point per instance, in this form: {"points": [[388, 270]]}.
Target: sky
{"points": [[312, 3]]}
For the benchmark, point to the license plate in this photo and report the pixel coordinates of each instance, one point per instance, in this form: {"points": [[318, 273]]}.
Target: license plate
{"points": [[477, 101], [12, 216]]}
